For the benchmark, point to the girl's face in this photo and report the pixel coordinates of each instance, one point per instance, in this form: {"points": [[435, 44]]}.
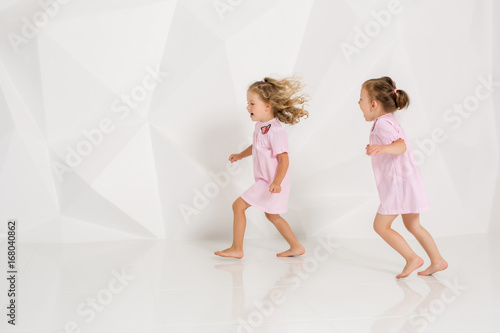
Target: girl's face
{"points": [[258, 109], [367, 106]]}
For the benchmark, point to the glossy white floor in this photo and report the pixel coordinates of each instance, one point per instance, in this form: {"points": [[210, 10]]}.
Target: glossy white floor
{"points": [[340, 285]]}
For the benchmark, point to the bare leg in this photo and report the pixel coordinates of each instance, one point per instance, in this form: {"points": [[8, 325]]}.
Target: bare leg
{"points": [[382, 226], [296, 249], [412, 223], [239, 225]]}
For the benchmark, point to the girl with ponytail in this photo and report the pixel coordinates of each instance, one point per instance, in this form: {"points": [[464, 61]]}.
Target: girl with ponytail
{"points": [[398, 180]]}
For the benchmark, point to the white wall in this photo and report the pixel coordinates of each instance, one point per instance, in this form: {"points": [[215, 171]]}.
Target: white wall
{"points": [[495, 210], [141, 162]]}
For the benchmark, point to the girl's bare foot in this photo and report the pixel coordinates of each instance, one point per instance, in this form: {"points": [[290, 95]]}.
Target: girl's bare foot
{"points": [[230, 252], [433, 268], [410, 267], [292, 252]]}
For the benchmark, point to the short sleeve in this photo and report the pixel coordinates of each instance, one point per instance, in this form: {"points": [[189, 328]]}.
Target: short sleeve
{"points": [[387, 131], [279, 140]]}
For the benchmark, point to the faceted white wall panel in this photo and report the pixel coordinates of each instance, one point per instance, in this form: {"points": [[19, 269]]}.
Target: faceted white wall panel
{"points": [[117, 117]]}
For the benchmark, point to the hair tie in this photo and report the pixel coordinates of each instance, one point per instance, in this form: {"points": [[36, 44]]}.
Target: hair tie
{"points": [[395, 91], [263, 80]]}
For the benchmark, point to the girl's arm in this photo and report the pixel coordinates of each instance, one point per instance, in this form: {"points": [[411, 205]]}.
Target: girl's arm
{"points": [[398, 147], [280, 173], [245, 153]]}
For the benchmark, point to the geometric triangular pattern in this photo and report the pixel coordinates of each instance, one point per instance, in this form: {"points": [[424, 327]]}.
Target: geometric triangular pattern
{"points": [[130, 183], [117, 118], [123, 50]]}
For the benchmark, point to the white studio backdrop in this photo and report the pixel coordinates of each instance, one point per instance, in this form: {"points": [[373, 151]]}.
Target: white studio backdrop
{"points": [[495, 225], [117, 117]]}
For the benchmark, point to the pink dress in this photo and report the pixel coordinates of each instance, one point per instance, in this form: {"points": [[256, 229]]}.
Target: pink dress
{"points": [[269, 140], [398, 179]]}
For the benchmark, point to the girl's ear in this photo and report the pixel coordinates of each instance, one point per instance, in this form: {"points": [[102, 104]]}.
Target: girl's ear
{"points": [[374, 105]]}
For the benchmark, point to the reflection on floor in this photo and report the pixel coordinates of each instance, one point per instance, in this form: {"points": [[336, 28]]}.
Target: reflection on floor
{"points": [[339, 285]]}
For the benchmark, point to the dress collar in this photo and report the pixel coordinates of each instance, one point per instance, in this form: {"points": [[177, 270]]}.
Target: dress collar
{"points": [[267, 122]]}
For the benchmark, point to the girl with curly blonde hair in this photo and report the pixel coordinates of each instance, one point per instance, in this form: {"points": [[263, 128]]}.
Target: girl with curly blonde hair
{"points": [[270, 102]]}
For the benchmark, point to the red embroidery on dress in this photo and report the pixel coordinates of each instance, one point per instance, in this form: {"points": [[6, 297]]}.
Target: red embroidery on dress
{"points": [[265, 129]]}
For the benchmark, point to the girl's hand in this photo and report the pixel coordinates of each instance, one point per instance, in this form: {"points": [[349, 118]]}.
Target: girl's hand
{"points": [[234, 158], [374, 150], [275, 188]]}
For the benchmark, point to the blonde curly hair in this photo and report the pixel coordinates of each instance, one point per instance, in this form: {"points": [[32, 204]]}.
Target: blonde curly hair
{"points": [[285, 97]]}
